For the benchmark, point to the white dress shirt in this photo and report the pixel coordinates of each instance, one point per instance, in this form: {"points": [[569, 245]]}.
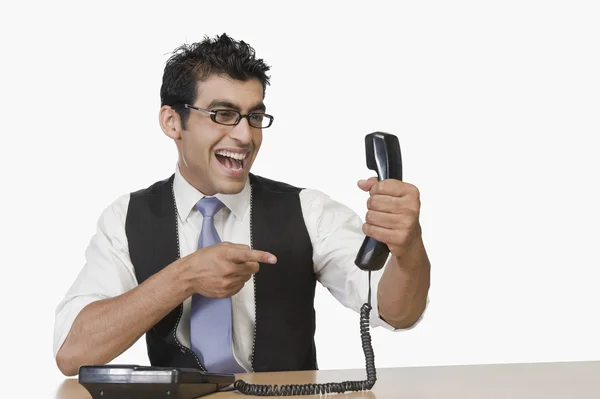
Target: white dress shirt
{"points": [[335, 233]]}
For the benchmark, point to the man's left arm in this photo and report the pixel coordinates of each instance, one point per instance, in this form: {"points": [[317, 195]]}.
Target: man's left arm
{"points": [[393, 218]]}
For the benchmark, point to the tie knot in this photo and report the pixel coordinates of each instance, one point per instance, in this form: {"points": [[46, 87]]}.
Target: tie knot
{"points": [[209, 206]]}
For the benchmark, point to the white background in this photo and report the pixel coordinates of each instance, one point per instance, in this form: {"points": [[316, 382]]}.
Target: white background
{"points": [[496, 105]]}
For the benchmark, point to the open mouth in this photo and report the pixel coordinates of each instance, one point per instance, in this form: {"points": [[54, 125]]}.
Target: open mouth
{"points": [[233, 161]]}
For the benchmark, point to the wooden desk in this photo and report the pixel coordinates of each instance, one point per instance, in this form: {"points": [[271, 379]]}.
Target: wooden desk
{"points": [[578, 380]]}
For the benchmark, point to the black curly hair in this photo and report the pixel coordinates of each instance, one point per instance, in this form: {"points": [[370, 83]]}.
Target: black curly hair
{"points": [[191, 63]]}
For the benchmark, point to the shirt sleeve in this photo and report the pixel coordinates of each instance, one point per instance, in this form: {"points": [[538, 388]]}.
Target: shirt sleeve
{"points": [[107, 272], [336, 235]]}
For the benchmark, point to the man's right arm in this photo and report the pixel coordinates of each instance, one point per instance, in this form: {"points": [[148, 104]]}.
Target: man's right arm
{"points": [[105, 311], [106, 328]]}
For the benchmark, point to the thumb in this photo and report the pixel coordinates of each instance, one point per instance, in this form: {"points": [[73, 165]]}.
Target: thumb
{"points": [[366, 185]]}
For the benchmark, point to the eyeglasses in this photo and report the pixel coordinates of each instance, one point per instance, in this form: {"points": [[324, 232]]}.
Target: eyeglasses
{"points": [[231, 117]]}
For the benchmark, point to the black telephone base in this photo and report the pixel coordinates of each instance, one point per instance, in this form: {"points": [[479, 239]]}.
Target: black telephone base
{"points": [[134, 382], [149, 391]]}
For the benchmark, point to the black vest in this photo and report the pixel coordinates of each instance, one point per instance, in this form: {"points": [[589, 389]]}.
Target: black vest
{"points": [[284, 292]]}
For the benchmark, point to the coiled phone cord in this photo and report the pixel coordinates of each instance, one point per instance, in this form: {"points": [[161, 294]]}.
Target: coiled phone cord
{"points": [[330, 387]]}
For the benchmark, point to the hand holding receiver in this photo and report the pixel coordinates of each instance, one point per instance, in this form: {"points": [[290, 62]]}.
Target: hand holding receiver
{"points": [[221, 270], [384, 157]]}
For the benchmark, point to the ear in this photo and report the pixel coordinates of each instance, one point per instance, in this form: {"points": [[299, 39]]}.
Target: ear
{"points": [[170, 122]]}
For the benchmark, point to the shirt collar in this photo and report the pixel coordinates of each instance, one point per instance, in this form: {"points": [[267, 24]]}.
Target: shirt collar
{"points": [[186, 196]]}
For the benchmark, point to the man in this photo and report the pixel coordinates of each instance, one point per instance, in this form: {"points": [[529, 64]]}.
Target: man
{"points": [[217, 266]]}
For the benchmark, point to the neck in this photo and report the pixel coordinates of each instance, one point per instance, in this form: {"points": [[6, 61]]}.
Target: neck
{"points": [[198, 185]]}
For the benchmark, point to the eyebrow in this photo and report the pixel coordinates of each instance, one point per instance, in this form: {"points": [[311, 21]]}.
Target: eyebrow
{"points": [[227, 104]]}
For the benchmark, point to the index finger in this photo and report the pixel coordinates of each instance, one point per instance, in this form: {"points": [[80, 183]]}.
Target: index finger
{"points": [[240, 255], [394, 188]]}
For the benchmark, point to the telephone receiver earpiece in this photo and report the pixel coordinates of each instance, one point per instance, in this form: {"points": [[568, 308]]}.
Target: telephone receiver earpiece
{"points": [[384, 157]]}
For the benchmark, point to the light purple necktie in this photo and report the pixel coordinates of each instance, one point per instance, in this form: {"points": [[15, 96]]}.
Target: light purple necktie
{"points": [[210, 320]]}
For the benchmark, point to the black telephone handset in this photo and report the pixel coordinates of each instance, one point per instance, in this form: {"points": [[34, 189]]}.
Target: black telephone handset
{"points": [[384, 157], [132, 381]]}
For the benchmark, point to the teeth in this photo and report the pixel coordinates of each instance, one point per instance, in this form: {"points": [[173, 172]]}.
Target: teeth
{"points": [[233, 155]]}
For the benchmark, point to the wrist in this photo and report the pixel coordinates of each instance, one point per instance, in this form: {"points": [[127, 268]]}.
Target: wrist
{"points": [[411, 258], [181, 277]]}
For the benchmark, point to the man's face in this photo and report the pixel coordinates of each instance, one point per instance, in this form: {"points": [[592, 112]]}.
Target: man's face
{"points": [[217, 158]]}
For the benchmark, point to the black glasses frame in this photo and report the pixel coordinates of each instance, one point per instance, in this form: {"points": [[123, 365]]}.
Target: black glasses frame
{"points": [[213, 116]]}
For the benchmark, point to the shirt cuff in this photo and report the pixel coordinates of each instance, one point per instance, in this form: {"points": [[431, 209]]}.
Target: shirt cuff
{"points": [[66, 313]]}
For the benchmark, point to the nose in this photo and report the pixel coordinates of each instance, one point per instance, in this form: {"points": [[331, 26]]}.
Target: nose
{"points": [[242, 132]]}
